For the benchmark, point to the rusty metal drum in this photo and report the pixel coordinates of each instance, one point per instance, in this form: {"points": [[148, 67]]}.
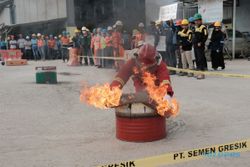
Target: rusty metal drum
{"points": [[137, 122]]}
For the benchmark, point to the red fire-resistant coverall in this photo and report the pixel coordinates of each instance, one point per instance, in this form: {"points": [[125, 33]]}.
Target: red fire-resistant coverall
{"points": [[146, 56]]}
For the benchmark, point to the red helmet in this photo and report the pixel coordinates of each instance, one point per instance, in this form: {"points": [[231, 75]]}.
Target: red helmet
{"points": [[147, 54]]}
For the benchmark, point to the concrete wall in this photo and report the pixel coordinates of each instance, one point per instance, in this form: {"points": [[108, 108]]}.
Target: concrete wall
{"points": [[5, 16], [242, 16], [36, 10], [39, 10]]}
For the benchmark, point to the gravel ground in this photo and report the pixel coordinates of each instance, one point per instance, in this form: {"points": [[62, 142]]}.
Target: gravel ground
{"points": [[47, 126]]}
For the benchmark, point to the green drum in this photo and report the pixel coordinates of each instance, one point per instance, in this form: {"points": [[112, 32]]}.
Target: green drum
{"points": [[46, 75]]}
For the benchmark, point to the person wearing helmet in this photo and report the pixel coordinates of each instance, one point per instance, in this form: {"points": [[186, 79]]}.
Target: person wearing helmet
{"points": [[41, 46], [27, 48], [34, 47], [191, 23], [117, 43], [147, 60], [216, 46], [51, 47], [96, 46], [140, 35], [85, 42], [185, 36], [109, 48], [65, 44], [199, 40]]}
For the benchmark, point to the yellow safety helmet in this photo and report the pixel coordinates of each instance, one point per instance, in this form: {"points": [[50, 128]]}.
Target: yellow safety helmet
{"points": [[77, 31], [158, 22], [184, 22], [217, 24]]}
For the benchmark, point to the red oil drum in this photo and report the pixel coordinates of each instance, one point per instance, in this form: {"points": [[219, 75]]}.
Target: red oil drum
{"points": [[139, 126], [73, 57]]}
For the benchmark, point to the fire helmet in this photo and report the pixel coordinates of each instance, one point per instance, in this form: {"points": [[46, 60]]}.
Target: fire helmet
{"points": [[147, 54]]}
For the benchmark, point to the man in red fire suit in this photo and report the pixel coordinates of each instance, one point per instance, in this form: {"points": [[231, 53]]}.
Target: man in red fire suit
{"points": [[149, 60]]}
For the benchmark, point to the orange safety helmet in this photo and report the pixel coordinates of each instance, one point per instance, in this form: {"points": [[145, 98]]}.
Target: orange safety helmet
{"points": [[147, 54], [178, 22]]}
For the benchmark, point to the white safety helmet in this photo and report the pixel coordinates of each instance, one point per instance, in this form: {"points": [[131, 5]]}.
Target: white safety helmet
{"points": [[141, 25], [84, 28], [119, 23], [109, 28], [39, 34], [27, 37]]}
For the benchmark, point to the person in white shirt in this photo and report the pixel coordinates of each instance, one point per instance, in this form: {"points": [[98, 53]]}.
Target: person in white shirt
{"points": [[20, 43], [27, 47], [13, 43]]}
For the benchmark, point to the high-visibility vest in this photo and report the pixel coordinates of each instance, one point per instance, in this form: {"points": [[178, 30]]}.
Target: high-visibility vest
{"points": [[117, 40], [108, 41], [97, 42], [40, 42]]}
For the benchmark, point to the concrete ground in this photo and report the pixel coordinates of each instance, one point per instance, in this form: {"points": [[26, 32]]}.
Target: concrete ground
{"points": [[47, 126]]}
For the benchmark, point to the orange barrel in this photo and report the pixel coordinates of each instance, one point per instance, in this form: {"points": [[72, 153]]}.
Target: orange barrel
{"points": [[73, 57], [139, 123]]}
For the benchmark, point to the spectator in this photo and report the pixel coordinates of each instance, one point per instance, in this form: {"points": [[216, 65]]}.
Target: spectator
{"points": [[96, 47], [27, 47], [65, 44], [200, 37], [185, 36], [20, 43], [170, 57], [51, 47], [3, 44], [109, 48], [34, 47], [46, 46], [41, 44], [140, 36], [177, 28], [85, 42], [103, 46], [58, 47], [216, 46], [76, 43], [13, 43], [117, 43], [192, 28]]}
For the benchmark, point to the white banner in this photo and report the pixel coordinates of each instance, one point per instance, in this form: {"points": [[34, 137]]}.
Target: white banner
{"points": [[168, 12], [211, 11]]}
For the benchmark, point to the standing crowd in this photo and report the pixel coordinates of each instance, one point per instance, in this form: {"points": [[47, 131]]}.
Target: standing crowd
{"points": [[185, 42]]}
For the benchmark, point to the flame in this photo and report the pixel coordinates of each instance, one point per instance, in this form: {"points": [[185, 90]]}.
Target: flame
{"points": [[101, 96], [157, 93]]}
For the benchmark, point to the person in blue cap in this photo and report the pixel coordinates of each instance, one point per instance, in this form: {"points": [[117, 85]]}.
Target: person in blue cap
{"points": [[199, 40]]}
